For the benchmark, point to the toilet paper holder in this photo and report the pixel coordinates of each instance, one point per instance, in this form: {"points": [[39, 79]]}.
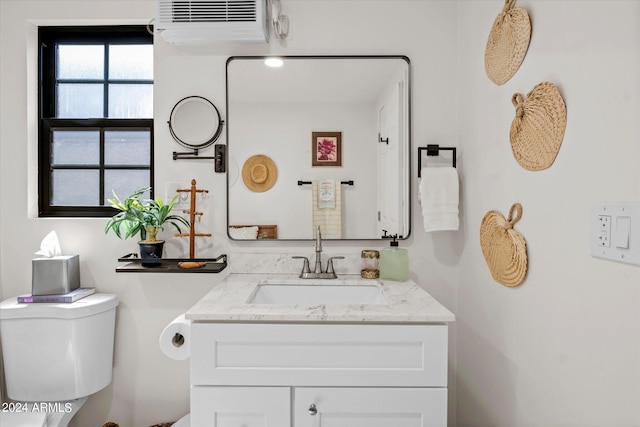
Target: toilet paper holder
{"points": [[178, 339], [175, 339]]}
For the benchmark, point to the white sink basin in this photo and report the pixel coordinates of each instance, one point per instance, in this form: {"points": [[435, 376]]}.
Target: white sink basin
{"points": [[269, 293]]}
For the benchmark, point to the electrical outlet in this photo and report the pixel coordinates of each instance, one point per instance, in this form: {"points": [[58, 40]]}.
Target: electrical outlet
{"points": [[615, 231], [604, 235]]}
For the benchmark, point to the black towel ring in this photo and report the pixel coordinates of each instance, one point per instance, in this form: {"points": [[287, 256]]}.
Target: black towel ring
{"points": [[434, 150]]}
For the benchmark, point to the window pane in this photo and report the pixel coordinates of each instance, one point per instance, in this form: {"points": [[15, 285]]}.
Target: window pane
{"points": [[124, 182], [130, 101], [90, 157], [76, 188], [79, 100], [80, 62], [131, 62], [76, 147], [127, 147]]}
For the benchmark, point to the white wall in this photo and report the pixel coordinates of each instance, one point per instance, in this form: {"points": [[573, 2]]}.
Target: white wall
{"points": [[147, 387], [562, 349]]}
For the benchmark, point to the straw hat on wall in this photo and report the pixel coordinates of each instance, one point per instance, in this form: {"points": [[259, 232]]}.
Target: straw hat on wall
{"points": [[259, 173]]}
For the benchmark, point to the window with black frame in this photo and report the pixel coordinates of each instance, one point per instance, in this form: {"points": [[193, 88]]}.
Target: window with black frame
{"points": [[96, 117]]}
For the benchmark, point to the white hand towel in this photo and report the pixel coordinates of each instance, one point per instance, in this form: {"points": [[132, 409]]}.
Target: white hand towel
{"points": [[439, 197]]}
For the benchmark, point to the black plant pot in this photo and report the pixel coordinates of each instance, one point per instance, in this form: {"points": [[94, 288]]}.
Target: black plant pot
{"points": [[151, 253]]}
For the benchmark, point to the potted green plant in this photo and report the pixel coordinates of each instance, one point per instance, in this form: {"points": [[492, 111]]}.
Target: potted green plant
{"points": [[145, 217]]}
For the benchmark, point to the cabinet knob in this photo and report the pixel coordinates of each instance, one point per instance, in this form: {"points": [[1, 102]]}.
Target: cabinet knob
{"points": [[312, 409]]}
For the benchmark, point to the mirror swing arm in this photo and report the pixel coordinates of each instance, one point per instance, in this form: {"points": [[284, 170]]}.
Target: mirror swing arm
{"points": [[198, 144], [219, 157]]}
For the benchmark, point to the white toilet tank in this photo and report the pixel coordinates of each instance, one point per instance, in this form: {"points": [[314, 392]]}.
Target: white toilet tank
{"points": [[55, 352]]}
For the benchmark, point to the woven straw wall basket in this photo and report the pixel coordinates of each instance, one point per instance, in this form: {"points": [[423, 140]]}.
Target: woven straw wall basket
{"points": [[538, 128], [504, 249], [507, 44]]}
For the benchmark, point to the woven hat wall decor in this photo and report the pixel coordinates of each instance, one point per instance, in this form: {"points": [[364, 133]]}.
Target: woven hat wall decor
{"points": [[259, 173], [508, 43], [538, 128], [504, 249]]}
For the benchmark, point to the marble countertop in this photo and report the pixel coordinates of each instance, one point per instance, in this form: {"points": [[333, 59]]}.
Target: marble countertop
{"points": [[227, 302]]}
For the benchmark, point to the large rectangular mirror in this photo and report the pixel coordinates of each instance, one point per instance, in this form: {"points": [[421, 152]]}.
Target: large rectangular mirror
{"points": [[318, 141]]}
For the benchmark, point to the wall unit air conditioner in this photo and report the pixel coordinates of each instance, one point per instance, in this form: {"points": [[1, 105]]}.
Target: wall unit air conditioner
{"points": [[192, 22]]}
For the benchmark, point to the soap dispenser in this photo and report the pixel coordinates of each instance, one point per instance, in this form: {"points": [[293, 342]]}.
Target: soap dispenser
{"points": [[394, 261]]}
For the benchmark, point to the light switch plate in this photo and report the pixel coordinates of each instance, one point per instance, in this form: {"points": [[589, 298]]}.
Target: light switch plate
{"points": [[615, 231]]}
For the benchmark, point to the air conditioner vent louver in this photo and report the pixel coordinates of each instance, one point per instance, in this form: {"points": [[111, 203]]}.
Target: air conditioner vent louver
{"points": [[212, 11], [212, 21]]}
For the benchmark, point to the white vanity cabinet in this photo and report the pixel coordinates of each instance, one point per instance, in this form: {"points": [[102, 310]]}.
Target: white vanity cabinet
{"points": [[318, 375]]}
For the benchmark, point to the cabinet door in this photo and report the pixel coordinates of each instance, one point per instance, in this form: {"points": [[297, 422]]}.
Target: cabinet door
{"points": [[241, 406], [370, 407]]}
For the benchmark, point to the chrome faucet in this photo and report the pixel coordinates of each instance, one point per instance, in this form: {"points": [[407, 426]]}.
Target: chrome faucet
{"points": [[318, 267], [317, 273]]}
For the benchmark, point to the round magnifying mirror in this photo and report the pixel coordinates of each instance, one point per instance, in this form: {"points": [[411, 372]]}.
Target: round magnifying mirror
{"points": [[195, 122]]}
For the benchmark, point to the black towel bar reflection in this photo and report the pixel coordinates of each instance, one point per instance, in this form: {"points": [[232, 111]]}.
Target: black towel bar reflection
{"points": [[434, 150], [310, 182]]}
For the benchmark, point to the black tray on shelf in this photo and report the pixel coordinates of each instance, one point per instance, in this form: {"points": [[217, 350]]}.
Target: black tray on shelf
{"points": [[170, 265]]}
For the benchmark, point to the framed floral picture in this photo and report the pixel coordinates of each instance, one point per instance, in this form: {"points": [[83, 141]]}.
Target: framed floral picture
{"points": [[326, 148]]}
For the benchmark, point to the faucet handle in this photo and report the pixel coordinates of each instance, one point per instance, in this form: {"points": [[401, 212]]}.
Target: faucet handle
{"points": [[330, 269], [305, 265]]}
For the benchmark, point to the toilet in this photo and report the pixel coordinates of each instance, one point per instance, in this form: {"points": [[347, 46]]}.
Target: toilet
{"points": [[55, 356]]}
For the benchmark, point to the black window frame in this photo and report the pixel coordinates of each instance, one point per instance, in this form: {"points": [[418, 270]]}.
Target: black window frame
{"points": [[48, 38]]}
